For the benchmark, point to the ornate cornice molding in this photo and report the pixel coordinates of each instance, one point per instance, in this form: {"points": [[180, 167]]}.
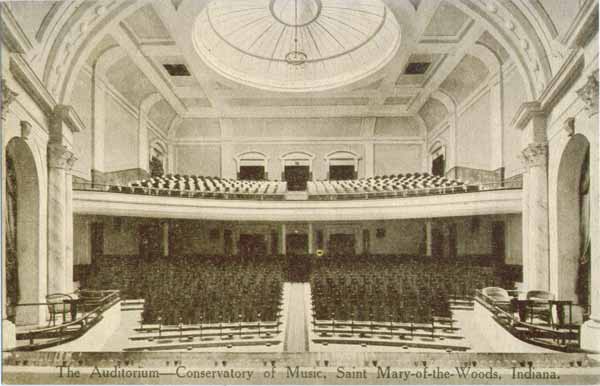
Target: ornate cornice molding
{"points": [[34, 87], [8, 97], [535, 154], [526, 111]]}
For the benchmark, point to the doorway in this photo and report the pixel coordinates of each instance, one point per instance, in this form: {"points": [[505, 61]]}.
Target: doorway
{"points": [[341, 244], [438, 166], [296, 177], [341, 172], [149, 241], [296, 244], [252, 245], [252, 173]]}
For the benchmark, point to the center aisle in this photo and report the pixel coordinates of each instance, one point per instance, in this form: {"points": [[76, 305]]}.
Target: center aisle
{"points": [[296, 337]]}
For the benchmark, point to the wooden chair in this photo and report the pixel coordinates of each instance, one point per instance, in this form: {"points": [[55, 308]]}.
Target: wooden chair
{"points": [[58, 304], [539, 305]]}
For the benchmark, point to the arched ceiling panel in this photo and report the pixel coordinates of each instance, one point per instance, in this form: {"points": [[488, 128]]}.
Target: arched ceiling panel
{"points": [[161, 114], [433, 113], [126, 78], [465, 78]]}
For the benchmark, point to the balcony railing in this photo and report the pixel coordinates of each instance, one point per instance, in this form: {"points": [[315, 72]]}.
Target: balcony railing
{"points": [[358, 195]]}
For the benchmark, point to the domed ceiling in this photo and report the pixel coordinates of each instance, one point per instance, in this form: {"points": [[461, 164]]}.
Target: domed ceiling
{"points": [[296, 45]]}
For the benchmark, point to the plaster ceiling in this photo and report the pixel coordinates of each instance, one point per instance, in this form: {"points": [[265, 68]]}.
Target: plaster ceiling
{"points": [[355, 65], [296, 45]]}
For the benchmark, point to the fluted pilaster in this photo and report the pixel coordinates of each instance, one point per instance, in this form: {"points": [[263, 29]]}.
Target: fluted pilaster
{"points": [[537, 266], [60, 161]]}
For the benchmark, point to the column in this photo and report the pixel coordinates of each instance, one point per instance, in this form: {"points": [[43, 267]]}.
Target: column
{"points": [[428, 237], [358, 241], [58, 159], [311, 236], [590, 331], [536, 273], [369, 159], [368, 132], [236, 240], [282, 236], [165, 238], [69, 225]]}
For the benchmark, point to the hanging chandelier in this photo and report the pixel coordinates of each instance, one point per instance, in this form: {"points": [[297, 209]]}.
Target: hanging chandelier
{"points": [[296, 57]]}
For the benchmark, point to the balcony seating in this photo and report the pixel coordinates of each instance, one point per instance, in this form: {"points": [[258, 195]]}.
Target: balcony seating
{"points": [[180, 185], [401, 185]]}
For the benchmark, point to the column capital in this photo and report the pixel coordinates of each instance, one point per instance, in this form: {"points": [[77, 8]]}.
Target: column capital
{"points": [[60, 157], [589, 93], [535, 154], [8, 97]]}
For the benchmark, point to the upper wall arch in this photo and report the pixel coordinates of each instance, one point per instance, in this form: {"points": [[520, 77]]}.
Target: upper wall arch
{"points": [[67, 48], [506, 23], [72, 35]]}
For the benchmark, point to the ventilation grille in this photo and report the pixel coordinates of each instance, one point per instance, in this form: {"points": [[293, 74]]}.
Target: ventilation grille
{"points": [[417, 68], [177, 69]]}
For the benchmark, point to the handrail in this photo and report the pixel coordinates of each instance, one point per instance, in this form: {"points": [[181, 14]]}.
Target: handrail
{"points": [[101, 304], [152, 191], [514, 322], [165, 191]]}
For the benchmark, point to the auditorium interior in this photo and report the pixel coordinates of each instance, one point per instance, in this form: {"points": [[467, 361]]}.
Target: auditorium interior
{"points": [[300, 176]]}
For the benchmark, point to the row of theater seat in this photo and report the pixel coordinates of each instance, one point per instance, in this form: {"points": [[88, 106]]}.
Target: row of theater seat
{"points": [[394, 289], [392, 185], [196, 289], [401, 185], [205, 186]]}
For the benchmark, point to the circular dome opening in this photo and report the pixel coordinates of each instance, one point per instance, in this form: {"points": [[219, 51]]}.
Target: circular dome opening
{"points": [[295, 13], [296, 45]]}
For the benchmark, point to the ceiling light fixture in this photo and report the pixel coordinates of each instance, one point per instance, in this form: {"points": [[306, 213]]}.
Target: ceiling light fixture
{"points": [[297, 57]]}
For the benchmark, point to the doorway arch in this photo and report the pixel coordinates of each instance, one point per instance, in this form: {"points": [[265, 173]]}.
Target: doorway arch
{"points": [[22, 219], [571, 242]]}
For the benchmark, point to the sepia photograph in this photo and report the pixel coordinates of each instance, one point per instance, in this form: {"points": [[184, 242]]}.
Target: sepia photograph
{"points": [[300, 192]]}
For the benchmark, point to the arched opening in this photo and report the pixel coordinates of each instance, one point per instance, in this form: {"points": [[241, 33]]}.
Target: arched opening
{"points": [[342, 165], [437, 154], [252, 165], [573, 205], [158, 155], [297, 169], [21, 220]]}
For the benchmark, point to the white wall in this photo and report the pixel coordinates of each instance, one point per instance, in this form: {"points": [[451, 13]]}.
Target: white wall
{"points": [[473, 135], [198, 159], [398, 158]]}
